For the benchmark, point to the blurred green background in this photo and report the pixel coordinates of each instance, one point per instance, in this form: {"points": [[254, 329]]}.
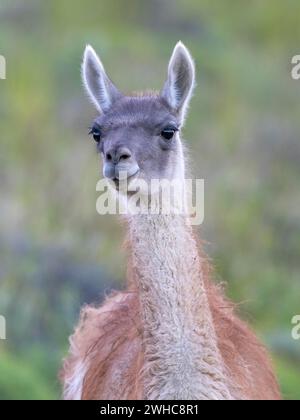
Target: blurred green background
{"points": [[56, 253]]}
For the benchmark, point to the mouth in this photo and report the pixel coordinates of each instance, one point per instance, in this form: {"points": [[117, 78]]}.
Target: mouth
{"points": [[117, 182]]}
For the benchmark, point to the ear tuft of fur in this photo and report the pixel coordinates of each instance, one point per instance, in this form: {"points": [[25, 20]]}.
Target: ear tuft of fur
{"points": [[99, 87], [180, 83]]}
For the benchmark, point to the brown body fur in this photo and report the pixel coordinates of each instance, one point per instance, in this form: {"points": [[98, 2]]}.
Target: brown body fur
{"points": [[110, 339]]}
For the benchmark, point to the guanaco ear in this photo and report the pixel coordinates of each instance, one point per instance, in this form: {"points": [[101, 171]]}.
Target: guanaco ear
{"points": [[99, 87], [178, 88]]}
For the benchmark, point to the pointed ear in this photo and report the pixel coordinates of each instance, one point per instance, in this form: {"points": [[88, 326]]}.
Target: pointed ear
{"points": [[179, 86], [99, 87]]}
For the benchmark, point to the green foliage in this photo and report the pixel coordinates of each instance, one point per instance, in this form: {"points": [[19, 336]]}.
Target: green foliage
{"points": [[56, 253], [289, 379], [19, 380]]}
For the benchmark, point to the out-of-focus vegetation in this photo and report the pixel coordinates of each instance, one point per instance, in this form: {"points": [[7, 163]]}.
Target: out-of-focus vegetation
{"points": [[243, 130]]}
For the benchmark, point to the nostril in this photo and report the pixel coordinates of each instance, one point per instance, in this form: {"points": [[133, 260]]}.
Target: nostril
{"points": [[117, 155], [125, 156]]}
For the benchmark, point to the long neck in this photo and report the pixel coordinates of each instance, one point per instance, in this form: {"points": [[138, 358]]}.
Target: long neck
{"points": [[181, 357]]}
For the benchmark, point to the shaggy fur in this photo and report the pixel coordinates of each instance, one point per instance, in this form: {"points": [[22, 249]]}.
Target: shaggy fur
{"points": [[122, 360]]}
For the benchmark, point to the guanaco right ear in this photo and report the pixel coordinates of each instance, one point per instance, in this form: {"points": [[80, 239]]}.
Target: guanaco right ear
{"points": [[99, 87], [179, 86]]}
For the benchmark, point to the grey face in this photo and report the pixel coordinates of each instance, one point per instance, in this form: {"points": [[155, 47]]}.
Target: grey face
{"points": [[138, 136]]}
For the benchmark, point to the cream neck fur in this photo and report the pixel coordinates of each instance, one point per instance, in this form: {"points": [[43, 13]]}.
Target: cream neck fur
{"points": [[182, 360]]}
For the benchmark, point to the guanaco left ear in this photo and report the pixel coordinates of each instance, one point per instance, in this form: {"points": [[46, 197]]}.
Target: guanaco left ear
{"points": [[179, 86], [99, 87]]}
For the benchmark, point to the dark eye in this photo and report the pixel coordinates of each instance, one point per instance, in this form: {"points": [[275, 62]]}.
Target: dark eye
{"points": [[96, 133], [168, 132]]}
